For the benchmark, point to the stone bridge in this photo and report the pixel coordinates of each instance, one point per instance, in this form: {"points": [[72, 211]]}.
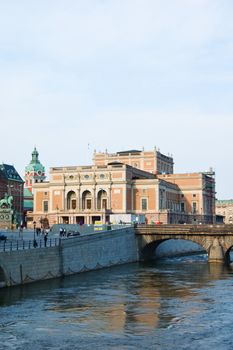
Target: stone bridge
{"points": [[216, 240]]}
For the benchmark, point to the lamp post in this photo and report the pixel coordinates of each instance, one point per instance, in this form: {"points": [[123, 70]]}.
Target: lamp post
{"points": [[9, 187], [20, 203], [34, 240], [34, 227], [57, 214]]}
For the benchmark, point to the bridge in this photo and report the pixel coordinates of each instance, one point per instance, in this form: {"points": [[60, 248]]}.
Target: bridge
{"points": [[216, 240]]}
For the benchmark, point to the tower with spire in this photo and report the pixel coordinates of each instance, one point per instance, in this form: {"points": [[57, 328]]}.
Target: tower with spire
{"points": [[34, 171]]}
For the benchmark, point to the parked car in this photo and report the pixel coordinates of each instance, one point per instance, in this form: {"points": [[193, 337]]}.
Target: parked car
{"points": [[73, 233], [3, 237], [158, 223]]}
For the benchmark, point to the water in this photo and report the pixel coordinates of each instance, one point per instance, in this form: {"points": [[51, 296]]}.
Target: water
{"points": [[173, 304]]}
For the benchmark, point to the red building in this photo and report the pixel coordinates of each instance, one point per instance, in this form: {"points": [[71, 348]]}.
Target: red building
{"points": [[12, 184]]}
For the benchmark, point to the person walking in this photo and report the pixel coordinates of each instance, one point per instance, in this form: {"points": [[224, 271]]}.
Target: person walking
{"points": [[61, 231], [45, 240]]}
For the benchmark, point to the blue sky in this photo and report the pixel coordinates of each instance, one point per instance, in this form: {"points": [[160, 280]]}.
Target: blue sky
{"points": [[117, 75]]}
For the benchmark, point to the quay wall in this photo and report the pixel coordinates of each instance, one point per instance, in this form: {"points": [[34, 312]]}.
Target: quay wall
{"points": [[29, 265], [72, 255]]}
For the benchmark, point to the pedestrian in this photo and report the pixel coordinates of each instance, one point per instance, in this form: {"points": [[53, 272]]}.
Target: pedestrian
{"points": [[45, 240], [64, 232], [61, 231]]}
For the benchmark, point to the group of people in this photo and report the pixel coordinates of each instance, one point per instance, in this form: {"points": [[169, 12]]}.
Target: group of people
{"points": [[41, 231], [62, 232]]}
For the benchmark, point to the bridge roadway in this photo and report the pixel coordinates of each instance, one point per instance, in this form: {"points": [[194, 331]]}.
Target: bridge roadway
{"points": [[216, 240]]}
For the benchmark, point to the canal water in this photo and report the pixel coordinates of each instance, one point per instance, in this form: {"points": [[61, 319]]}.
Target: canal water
{"points": [[178, 303]]}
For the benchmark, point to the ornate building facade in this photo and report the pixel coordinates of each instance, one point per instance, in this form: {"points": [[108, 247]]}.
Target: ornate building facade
{"points": [[92, 193], [197, 194], [151, 161], [224, 208]]}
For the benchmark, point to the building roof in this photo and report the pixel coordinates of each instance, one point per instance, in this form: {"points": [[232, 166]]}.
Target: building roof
{"points": [[9, 173], [27, 193], [28, 199], [130, 151], [27, 204]]}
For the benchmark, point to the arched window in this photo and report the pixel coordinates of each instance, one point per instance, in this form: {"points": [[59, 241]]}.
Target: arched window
{"points": [[86, 200], [71, 200], [102, 200]]}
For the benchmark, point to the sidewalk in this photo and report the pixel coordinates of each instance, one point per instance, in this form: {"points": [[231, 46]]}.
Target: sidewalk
{"points": [[26, 234]]}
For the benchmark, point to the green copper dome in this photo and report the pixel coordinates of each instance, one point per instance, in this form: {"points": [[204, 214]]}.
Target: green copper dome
{"points": [[35, 165]]}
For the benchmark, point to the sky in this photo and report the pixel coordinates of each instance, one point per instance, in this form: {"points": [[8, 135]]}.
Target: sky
{"points": [[78, 76]]}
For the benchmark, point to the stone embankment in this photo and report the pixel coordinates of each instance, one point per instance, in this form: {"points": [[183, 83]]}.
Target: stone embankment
{"points": [[72, 255]]}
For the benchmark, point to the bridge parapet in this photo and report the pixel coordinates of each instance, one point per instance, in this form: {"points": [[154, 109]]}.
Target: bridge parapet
{"points": [[216, 240], [185, 229]]}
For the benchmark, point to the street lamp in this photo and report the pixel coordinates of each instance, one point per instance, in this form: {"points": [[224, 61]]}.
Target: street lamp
{"points": [[34, 227], [34, 240], [20, 203]]}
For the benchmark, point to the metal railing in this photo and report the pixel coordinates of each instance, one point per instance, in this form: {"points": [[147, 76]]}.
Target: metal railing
{"points": [[10, 245]]}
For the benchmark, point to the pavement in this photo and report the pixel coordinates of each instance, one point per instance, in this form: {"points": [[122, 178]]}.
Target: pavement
{"points": [[25, 234]]}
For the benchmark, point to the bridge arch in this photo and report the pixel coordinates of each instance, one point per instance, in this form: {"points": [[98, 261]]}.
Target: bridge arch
{"points": [[148, 249], [3, 279], [227, 254]]}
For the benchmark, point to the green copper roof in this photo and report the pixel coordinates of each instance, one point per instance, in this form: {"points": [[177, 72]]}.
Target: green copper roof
{"points": [[27, 193], [35, 164], [28, 204]]}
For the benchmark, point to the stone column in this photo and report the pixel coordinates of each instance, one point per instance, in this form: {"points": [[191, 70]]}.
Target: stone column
{"points": [[78, 199], [216, 252], [94, 199]]}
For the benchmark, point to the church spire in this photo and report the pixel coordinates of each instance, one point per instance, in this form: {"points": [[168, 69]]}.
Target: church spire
{"points": [[35, 171], [35, 155]]}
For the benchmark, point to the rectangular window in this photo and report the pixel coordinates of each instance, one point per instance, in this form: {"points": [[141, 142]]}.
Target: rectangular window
{"points": [[144, 204], [104, 204], [88, 203], [182, 207], [73, 203], [194, 207], [45, 206]]}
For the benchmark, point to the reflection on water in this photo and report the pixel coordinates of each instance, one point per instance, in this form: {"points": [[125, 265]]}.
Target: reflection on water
{"points": [[166, 304]]}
